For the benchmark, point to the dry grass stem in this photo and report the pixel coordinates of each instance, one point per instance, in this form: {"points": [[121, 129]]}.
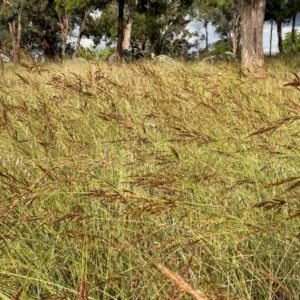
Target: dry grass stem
{"points": [[178, 280], [105, 170]]}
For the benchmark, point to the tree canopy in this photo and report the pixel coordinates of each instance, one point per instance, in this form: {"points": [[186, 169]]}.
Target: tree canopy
{"points": [[47, 26]]}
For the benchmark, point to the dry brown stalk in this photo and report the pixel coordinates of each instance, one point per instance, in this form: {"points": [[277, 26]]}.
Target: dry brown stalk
{"points": [[277, 283], [275, 125], [182, 283], [176, 293], [2, 66], [17, 295], [271, 204], [295, 83], [82, 290]]}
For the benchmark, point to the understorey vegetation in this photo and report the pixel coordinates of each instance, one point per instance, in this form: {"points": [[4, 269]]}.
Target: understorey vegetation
{"points": [[149, 181]]}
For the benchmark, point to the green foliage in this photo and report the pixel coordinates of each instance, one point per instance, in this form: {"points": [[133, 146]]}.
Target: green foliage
{"points": [[277, 10], [9, 10], [220, 47], [287, 42], [106, 53], [92, 53], [78, 6], [151, 20], [104, 25], [219, 13], [89, 53], [221, 4], [146, 26]]}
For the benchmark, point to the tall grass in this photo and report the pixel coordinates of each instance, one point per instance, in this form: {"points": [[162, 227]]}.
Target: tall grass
{"points": [[148, 182]]}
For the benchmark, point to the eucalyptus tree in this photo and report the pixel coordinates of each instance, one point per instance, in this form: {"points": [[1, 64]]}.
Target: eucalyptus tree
{"points": [[289, 45], [103, 26], [11, 14], [293, 6], [157, 21], [4, 39], [229, 24], [64, 23], [120, 30], [205, 13], [71, 12], [250, 14], [276, 11], [28, 23], [41, 27], [174, 19], [224, 16], [252, 22], [131, 9], [82, 11]]}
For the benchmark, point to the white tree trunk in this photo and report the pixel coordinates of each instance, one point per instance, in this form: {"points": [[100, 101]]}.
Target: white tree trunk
{"points": [[15, 31], [64, 25], [236, 32], [87, 12], [128, 25]]}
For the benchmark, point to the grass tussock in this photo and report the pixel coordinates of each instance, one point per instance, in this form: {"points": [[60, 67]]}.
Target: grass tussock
{"points": [[148, 182]]}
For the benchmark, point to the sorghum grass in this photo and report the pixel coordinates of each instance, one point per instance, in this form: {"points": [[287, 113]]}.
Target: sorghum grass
{"points": [[148, 182]]}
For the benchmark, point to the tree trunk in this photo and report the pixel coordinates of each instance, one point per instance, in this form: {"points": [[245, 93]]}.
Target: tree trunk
{"points": [[279, 34], [12, 30], [153, 43], [252, 17], [236, 32], [120, 31], [15, 35], [163, 42], [48, 45], [127, 33], [64, 25], [87, 12], [19, 37], [128, 26], [205, 24], [271, 37], [294, 33]]}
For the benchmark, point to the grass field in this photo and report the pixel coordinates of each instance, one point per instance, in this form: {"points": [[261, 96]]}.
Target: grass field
{"points": [[177, 181]]}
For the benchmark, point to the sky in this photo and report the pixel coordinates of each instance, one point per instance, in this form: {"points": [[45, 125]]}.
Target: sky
{"points": [[213, 38], [266, 33], [286, 28]]}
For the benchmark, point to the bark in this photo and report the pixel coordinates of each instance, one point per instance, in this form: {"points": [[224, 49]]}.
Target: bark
{"points": [[48, 45], [15, 31], [279, 34], [127, 34], [120, 31], [164, 34], [64, 25], [82, 25], [163, 42], [271, 37], [128, 26], [252, 21], [293, 33], [205, 24], [152, 48], [236, 32]]}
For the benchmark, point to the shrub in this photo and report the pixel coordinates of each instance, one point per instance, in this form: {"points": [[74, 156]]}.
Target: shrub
{"points": [[93, 53], [89, 53], [106, 53], [221, 47], [287, 42]]}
